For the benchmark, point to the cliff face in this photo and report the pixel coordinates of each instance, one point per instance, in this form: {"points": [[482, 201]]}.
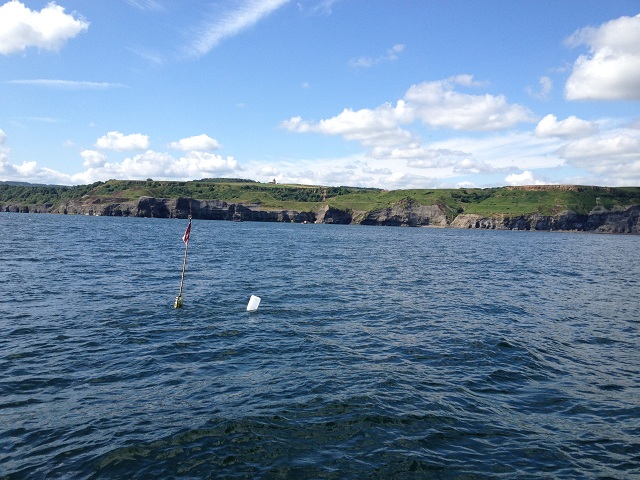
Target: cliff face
{"points": [[169, 208], [600, 220], [409, 213], [329, 214], [406, 212]]}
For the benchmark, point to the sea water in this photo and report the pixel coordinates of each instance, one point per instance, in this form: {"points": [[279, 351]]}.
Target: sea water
{"points": [[376, 352]]}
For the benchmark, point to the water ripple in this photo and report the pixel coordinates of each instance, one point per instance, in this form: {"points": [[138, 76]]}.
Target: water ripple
{"points": [[376, 352]]}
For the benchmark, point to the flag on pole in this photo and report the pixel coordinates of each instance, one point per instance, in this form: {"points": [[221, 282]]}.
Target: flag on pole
{"points": [[185, 237]]}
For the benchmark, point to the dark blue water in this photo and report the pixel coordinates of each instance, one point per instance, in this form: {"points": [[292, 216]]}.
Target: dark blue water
{"points": [[376, 352]]}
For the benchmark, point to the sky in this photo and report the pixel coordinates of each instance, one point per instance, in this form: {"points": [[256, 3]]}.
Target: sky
{"points": [[371, 93]]}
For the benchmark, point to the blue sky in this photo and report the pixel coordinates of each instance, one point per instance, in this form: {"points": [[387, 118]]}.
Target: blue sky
{"points": [[406, 94]]}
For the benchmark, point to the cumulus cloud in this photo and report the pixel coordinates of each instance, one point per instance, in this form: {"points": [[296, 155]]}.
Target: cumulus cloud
{"points": [[93, 159], [201, 143], [120, 142], [149, 164], [524, 178], [613, 157], [370, 127], [268, 171], [616, 147], [27, 171], [435, 104], [438, 104], [571, 126], [48, 29], [203, 163], [10, 171], [611, 69], [231, 22], [157, 165], [472, 166], [384, 129]]}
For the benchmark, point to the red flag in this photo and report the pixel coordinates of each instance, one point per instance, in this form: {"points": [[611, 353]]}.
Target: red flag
{"points": [[185, 237]]}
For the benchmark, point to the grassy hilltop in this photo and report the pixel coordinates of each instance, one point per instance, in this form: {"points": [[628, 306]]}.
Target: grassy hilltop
{"points": [[509, 201]]}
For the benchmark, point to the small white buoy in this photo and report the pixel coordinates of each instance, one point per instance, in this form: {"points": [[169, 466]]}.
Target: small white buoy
{"points": [[253, 303]]}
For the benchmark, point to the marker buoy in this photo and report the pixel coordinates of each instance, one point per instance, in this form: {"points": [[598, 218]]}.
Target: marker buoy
{"points": [[178, 303], [254, 302], [185, 238]]}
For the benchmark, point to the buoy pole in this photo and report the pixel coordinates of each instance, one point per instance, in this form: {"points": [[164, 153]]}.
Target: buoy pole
{"points": [[178, 303]]}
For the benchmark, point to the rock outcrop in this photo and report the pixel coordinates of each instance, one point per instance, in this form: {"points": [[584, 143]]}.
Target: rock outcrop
{"points": [[600, 220], [329, 214], [406, 212]]}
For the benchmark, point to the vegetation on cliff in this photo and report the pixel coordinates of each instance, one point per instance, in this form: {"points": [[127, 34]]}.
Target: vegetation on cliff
{"points": [[509, 201]]}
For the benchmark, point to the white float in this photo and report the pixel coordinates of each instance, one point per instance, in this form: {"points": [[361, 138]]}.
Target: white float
{"points": [[254, 302]]}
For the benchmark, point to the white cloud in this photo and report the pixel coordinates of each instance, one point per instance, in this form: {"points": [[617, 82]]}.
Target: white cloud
{"points": [[4, 159], [546, 85], [49, 29], [323, 7], [230, 23], [613, 157], [369, 127], [513, 150], [571, 126], [26, 171], [149, 164], [118, 141], [3, 149], [67, 84], [268, 171], [161, 166], [611, 70], [201, 143], [372, 170], [204, 164], [419, 156], [615, 147], [437, 104], [473, 166], [391, 55], [93, 159], [145, 4], [524, 178], [151, 56]]}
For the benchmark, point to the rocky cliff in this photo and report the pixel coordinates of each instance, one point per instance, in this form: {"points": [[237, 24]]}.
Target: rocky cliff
{"points": [[600, 220], [168, 208], [406, 212]]}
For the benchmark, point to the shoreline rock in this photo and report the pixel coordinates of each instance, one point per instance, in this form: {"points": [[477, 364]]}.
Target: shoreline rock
{"points": [[406, 212]]}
